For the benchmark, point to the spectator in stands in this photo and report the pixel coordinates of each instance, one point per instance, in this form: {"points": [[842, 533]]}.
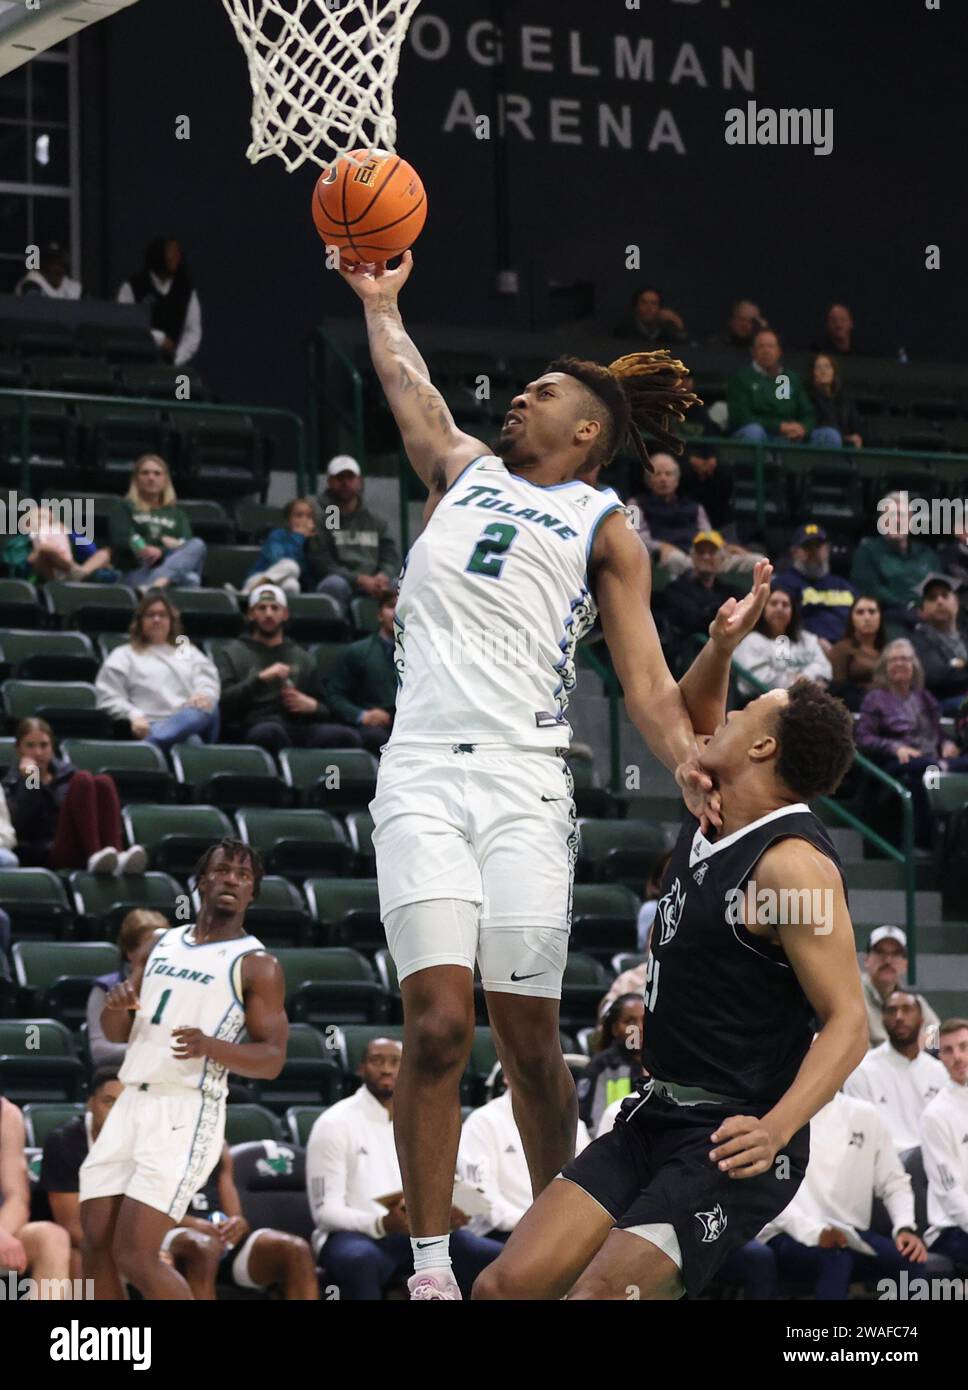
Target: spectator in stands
{"points": [[650, 321], [778, 651], [824, 598], [954, 556], [358, 556], [50, 278], [768, 401], [491, 1157], [56, 553], [745, 321], [833, 406], [164, 284], [824, 1234], [838, 332], [900, 728], [362, 1234], [272, 693], [689, 604], [40, 1249], [65, 1149], [151, 539], [362, 684], [134, 939], [707, 481], [885, 970], [855, 656], [890, 565], [230, 1252], [897, 1077], [940, 642], [65, 818], [158, 683], [284, 558], [668, 521], [616, 1062], [8, 841], [944, 1125]]}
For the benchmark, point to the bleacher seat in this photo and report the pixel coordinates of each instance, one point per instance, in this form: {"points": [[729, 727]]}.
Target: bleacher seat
{"points": [[300, 1119], [315, 618], [91, 607], [326, 655], [346, 912], [207, 612], [482, 1058], [386, 972], [364, 613], [40, 1119], [108, 641], [19, 604], [604, 918], [591, 797], [53, 440], [8, 752], [36, 903], [245, 1123], [9, 992], [271, 1181], [228, 775], [278, 916], [627, 960], [336, 779], [93, 375], [253, 519], [230, 564], [122, 344], [138, 769], [947, 797], [175, 836], [585, 983], [298, 844], [351, 1040], [311, 1074], [359, 826], [57, 976], [37, 1062], [619, 851], [210, 521], [102, 901], [115, 435], [330, 985], [47, 656], [70, 707], [158, 379]]}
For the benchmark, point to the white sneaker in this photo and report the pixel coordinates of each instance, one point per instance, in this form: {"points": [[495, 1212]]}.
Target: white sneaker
{"points": [[104, 861], [438, 1285], [133, 860]]}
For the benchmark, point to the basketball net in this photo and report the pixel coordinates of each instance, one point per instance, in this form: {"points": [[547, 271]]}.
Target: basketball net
{"points": [[322, 74]]}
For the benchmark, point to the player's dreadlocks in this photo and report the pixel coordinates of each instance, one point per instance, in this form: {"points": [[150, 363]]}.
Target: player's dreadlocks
{"points": [[643, 392]]}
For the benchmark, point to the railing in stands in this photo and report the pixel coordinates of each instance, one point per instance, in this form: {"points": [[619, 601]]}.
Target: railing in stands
{"points": [[903, 856], [264, 412], [334, 417]]}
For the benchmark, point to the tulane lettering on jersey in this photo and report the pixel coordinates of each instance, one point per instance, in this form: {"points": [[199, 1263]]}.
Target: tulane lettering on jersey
{"points": [[494, 598], [187, 984]]}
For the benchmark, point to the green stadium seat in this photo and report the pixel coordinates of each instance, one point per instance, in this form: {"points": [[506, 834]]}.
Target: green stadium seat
{"points": [[84, 374], [9, 991], [387, 975], [346, 912], [327, 985], [300, 1119], [591, 798], [627, 960], [351, 1041], [603, 919], [278, 916], [326, 655], [36, 903], [108, 641], [58, 975], [359, 825], [365, 614], [585, 983], [139, 769], [175, 836], [102, 901], [311, 1074], [13, 373], [48, 656], [479, 1064], [91, 607], [228, 775], [159, 380], [207, 612], [621, 851], [315, 618], [37, 1062], [118, 344], [253, 519], [246, 1122], [336, 779], [116, 435], [41, 1119], [8, 752], [52, 436], [70, 707], [210, 521], [945, 802], [19, 604], [299, 844], [218, 449], [230, 564]]}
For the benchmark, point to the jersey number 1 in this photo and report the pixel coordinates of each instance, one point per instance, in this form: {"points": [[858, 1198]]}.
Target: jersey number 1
{"points": [[491, 550], [156, 1017]]}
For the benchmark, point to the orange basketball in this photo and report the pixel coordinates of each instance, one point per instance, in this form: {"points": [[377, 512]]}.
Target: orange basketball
{"points": [[373, 210]]}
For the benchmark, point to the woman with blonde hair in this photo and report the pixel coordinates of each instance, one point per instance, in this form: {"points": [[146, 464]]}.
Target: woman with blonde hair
{"points": [[152, 539]]}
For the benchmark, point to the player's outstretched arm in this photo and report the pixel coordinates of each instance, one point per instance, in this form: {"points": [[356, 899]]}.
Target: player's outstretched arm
{"points": [[705, 686], [435, 446], [264, 992]]}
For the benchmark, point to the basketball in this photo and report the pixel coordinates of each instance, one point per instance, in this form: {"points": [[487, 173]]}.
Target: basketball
{"points": [[373, 211]]}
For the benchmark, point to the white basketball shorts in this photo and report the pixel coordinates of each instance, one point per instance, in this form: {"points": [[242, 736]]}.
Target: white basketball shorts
{"points": [[158, 1145], [486, 825]]}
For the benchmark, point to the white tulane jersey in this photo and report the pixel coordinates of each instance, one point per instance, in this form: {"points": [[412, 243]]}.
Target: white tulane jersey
{"points": [[187, 986], [493, 600]]}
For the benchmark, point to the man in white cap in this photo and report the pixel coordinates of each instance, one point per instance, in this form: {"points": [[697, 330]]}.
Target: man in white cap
{"points": [[898, 1078], [358, 557], [272, 692], [885, 967]]}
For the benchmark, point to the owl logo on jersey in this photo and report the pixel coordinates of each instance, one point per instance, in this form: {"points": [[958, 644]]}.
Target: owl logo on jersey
{"points": [[713, 1223], [669, 913]]}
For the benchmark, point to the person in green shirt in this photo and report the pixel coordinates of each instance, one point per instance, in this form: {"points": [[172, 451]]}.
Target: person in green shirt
{"points": [[891, 566], [767, 401], [151, 538], [362, 684]]}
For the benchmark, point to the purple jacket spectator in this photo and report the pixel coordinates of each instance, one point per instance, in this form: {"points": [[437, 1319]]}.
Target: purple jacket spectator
{"points": [[887, 719]]}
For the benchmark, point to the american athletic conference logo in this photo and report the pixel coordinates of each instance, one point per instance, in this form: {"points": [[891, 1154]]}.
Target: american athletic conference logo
{"points": [[713, 1223], [669, 912]]}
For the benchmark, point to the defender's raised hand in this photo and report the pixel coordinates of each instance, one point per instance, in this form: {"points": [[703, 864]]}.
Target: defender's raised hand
{"points": [[738, 617]]}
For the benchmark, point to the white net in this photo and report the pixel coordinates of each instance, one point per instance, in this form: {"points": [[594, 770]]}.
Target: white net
{"points": [[322, 75]]}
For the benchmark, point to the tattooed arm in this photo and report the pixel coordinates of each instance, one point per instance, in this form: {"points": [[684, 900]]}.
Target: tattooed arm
{"points": [[435, 446]]}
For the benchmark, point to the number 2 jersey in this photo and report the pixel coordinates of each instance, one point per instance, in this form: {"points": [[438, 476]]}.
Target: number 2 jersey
{"points": [[493, 600], [723, 1007], [187, 985]]}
